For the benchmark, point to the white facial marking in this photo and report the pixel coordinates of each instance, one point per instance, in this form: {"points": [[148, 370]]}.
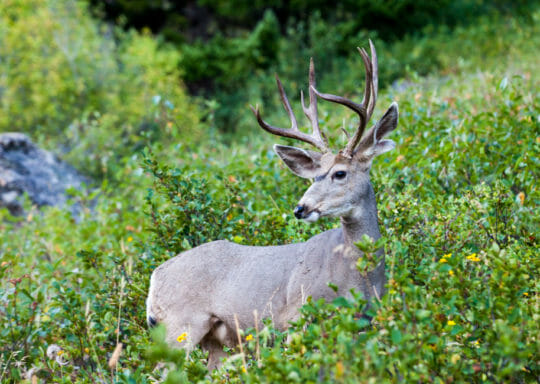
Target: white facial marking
{"points": [[312, 217]]}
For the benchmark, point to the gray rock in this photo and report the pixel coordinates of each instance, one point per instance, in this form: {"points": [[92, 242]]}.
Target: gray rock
{"points": [[25, 168]]}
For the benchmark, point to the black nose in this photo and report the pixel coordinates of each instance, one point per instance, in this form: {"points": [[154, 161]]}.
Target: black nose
{"points": [[298, 211]]}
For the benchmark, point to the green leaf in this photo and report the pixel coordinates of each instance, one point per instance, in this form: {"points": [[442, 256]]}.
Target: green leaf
{"points": [[423, 314], [396, 336], [456, 329], [341, 302]]}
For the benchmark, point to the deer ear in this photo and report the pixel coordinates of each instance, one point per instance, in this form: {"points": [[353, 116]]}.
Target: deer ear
{"points": [[382, 146], [373, 144], [301, 162]]}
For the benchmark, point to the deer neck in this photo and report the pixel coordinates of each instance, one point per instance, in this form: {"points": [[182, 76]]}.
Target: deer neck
{"points": [[362, 220]]}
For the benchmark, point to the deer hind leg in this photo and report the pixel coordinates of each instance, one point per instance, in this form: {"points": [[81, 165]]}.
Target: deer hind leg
{"points": [[218, 337], [215, 352]]}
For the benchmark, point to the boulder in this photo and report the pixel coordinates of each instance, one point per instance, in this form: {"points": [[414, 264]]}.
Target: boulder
{"points": [[27, 169]]}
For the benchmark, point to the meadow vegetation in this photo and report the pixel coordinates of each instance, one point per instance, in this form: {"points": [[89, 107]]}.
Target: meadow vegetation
{"points": [[458, 204]]}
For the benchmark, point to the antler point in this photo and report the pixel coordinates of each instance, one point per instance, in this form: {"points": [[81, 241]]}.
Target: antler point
{"points": [[318, 138]]}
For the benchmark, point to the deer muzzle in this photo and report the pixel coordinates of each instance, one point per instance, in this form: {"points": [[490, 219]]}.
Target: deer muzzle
{"points": [[304, 213]]}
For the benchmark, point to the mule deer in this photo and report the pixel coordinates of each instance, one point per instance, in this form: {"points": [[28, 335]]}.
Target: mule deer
{"points": [[202, 292]]}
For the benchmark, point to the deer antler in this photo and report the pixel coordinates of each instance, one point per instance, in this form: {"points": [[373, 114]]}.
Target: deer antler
{"points": [[316, 138], [365, 108]]}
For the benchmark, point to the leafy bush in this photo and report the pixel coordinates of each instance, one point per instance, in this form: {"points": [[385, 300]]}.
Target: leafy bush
{"points": [[101, 92]]}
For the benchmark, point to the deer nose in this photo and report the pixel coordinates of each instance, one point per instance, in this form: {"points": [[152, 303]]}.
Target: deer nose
{"points": [[298, 211]]}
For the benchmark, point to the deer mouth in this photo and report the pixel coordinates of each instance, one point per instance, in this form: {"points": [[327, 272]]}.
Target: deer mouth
{"points": [[312, 216]]}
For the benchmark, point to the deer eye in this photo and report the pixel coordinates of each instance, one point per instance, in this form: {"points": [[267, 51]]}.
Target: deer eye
{"points": [[339, 175]]}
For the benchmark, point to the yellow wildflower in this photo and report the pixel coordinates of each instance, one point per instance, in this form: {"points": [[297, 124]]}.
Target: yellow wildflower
{"points": [[130, 239], [340, 369], [451, 273], [244, 369], [451, 322], [182, 337], [473, 257], [521, 197], [525, 293], [443, 260], [249, 337], [447, 256]]}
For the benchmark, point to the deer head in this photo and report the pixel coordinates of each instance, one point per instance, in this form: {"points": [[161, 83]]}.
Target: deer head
{"points": [[341, 181]]}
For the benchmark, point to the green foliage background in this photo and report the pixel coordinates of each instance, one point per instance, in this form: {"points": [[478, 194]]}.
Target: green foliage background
{"points": [[231, 48], [458, 198], [92, 88]]}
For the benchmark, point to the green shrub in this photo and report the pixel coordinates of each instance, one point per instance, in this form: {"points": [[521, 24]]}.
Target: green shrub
{"points": [[98, 91]]}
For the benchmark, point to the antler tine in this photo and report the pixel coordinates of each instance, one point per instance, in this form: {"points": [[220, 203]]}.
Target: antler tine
{"points": [[294, 133], [311, 111], [367, 91], [365, 109], [349, 149], [375, 79], [286, 104]]}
